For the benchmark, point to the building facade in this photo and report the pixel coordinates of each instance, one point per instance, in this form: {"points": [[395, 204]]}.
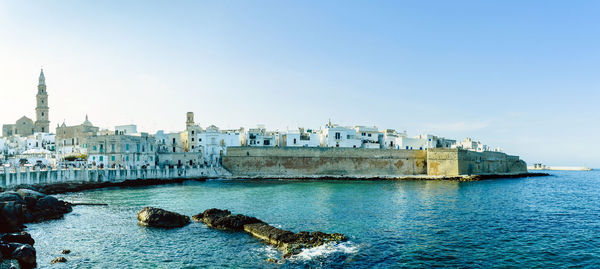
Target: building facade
{"points": [[73, 139], [122, 150]]}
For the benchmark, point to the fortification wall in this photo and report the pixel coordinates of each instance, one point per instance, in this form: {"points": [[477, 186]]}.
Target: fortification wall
{"points": [[453, 162], [294, 161]]}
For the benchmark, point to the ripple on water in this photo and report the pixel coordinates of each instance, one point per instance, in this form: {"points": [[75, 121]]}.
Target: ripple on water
{"points": [[534, 222]]}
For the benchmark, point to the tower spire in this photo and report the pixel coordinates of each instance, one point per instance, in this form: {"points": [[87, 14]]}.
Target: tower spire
{"points": [[42, 80]]}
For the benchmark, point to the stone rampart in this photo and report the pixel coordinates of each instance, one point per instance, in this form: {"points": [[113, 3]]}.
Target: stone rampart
{"points": [[454, 162], [295, 161]]}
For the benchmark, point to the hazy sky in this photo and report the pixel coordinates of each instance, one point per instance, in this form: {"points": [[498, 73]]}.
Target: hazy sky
{"points": [[522, 75]]}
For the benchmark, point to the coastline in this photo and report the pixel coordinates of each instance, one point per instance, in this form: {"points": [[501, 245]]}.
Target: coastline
{"points": [[68, 187]]}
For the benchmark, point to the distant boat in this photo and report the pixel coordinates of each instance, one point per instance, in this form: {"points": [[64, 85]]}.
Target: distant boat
{"points": [[539, 166]]}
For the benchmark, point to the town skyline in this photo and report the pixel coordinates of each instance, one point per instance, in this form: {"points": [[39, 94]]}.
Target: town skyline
{"points": [[507, 101]]}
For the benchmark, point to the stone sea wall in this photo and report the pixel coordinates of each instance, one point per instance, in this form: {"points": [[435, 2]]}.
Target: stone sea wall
{"points": [[451, 162], [36, 176], [360, 163], [293, 161]]}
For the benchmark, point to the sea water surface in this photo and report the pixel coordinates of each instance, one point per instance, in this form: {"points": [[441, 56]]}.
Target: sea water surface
{"points": [[545, 222]]}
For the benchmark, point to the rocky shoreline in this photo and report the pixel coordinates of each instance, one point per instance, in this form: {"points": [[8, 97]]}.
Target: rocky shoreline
{"points": [[58, 188], [289, 242], [20, 207]]}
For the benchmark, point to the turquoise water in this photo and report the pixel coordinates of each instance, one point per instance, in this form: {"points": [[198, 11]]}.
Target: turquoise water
{"points": [[532, 222]]}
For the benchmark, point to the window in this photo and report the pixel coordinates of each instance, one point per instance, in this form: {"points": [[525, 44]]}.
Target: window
{"points": [[112, 158], [337, 136], [192, 139], [192, 147], [369, 135], [151, 147], [138, 158], [94, 147], [363, 134], [127, 147], [138, 147], [267, 142], [151, 158], [112, 147], [101, 147], [294, 141], [174, 141], [192, 133], [101, 158], [200, 139], [143, 148], [127, 158], [173, 149]]}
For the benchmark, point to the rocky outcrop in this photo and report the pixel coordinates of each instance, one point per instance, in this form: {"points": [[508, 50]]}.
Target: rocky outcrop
{"points": [[58, 259], [23, 253], [222, 219], [289, 242], [156, 217], [25, 206]]}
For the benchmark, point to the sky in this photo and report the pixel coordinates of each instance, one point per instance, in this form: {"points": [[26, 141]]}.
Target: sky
{"points": [[520, 75]]}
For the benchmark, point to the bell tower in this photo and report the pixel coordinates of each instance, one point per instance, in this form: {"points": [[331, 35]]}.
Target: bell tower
{"points": [[42, 122]]}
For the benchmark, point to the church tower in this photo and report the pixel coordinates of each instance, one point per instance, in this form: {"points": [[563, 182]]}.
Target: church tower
{"points": [[42, 122]]}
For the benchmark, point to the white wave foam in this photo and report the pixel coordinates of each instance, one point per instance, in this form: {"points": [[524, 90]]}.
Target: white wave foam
{"points": [[326, 250]]}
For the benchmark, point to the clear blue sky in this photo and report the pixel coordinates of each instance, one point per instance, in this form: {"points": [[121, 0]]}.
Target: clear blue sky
{"points": [[522, 75]]}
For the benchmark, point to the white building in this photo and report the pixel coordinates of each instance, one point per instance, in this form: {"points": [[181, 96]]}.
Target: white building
{"points": [[470, 144], [300, 138], [128, 129], [369, 137], [214, 142], [259, 137], [339, 137], [388, 139]]}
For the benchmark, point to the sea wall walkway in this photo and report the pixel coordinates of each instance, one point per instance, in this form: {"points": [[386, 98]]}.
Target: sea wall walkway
{"points": [[10, 177]]}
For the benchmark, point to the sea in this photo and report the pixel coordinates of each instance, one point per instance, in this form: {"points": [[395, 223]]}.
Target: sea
{"points": [[537, 222]]}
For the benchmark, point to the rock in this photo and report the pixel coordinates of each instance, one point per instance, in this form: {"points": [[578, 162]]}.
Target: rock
{"points": [[22, 237], [11, 196], [26, 256], [271, 260], [59, 259], [12, 264], [66, 251], [291, 243], [30, 196], [222, 219], [12, 216], [156, 217]]}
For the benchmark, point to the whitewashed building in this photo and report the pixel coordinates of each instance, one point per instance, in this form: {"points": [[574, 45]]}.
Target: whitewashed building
{"points": [[300, 138], [259, 137], [369, 137], [339, 137], [214, 143], [470, 144]]}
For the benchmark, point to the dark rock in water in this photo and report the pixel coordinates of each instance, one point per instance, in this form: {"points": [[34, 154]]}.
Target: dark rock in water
{"points": [[211, 215], [156, 217], [11, 196], [222, 219], [59, 259], [12, 215], [22, 237], [66, 251], [30, 196], [291, 243], [26, 256]]}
